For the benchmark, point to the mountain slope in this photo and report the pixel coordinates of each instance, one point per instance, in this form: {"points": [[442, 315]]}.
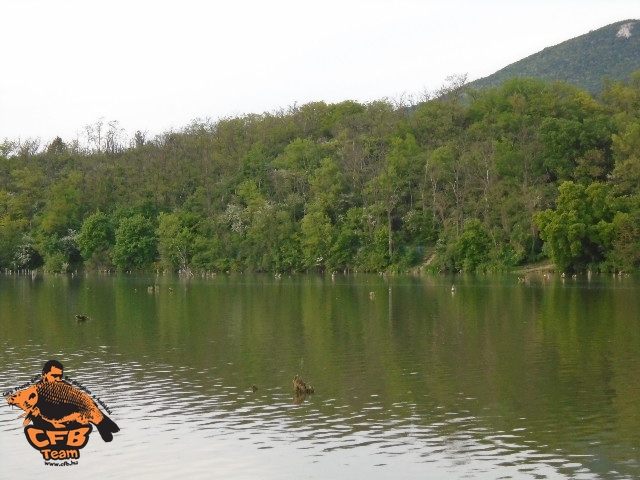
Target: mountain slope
{"points": [[609, 52]]}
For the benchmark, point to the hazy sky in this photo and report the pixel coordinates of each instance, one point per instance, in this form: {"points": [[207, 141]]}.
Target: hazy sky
{"points": [[157, 65]]}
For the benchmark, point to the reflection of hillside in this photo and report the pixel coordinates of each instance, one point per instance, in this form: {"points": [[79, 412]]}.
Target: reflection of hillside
{"points": [[546, 366]]}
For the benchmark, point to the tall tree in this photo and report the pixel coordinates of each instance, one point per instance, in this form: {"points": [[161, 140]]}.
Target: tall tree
{"points": [[136, 243]]}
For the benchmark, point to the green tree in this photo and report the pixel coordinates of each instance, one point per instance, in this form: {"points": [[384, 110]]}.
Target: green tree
{"points": [[24, 254], [293, 167], [578, 232], [327, 188], [26, 198], [316, 238], [359, 185], [626, 147], [473, 247], [64, 207], [136, 243], [397, 184], [176, 236], [625, 252], [272, 239], [96, 239], [348, 240]]}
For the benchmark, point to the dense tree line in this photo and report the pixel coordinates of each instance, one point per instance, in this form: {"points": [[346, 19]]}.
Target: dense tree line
{"points": [[466, 180]]}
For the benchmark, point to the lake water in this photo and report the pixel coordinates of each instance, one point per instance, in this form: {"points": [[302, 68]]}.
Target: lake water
{"points": [[500, 379]]}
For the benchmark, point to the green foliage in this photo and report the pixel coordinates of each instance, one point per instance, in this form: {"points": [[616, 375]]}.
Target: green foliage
{"points": [[25, 256], [328, 187], [96, 239], [57, 262], [316, 238], [135, 243], [349, 237], [64, 207], [626, 147], [625, 251], [176, 236], [472, 247], [471, 176], [578, 232], [583, 61], [374, 255]]}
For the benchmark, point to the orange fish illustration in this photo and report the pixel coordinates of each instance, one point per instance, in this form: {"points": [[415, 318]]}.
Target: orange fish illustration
{"points": [[61, 404]]}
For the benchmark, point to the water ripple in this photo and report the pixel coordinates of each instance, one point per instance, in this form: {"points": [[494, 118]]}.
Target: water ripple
{"points": [[212, 418]]}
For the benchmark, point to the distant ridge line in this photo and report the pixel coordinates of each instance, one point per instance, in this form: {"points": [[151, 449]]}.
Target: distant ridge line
{"points": [[611, 52]]}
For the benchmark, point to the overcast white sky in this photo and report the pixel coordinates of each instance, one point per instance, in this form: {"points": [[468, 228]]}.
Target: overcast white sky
{"points": [[156, 65]]}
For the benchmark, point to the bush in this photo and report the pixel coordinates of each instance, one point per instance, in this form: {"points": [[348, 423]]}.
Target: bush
{"points": [[56, 263]]}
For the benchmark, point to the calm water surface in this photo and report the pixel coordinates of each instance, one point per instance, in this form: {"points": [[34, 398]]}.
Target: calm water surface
{"points": [[500, 379]]}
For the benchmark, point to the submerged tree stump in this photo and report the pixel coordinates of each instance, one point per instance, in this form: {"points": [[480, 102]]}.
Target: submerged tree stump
{"points": [[301, 387]]}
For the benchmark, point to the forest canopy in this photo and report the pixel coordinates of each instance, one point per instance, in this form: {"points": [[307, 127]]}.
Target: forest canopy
{"points": [[471, 180]]}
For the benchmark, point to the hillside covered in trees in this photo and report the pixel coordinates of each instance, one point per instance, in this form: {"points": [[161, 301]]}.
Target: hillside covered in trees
{"points": [[472, 180], [611, 52]]}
